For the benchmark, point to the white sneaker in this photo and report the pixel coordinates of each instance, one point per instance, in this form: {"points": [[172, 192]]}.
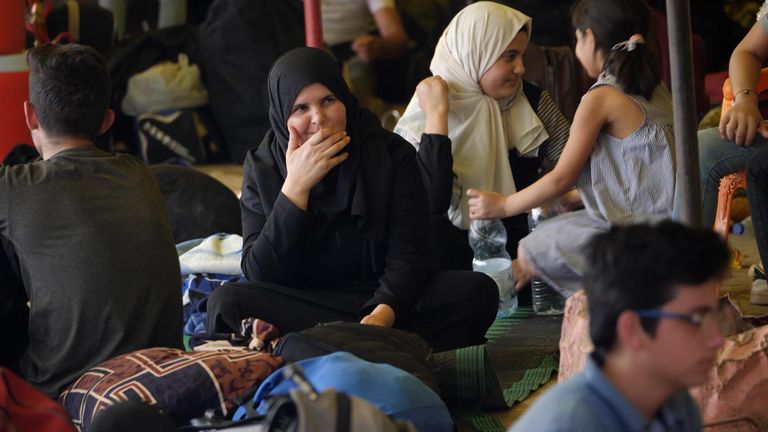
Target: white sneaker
{"points": [[759, 293]]}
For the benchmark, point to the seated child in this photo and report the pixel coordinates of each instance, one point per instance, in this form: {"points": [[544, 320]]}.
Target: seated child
{"points": [[619, 151]]}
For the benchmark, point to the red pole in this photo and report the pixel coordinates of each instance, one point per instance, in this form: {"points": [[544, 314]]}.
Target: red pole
{"points": [[12, 31], [312, 25]]}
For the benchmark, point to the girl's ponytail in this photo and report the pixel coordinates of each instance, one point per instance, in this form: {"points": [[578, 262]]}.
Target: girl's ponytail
{"points": [[633, 65], [621, 28]]}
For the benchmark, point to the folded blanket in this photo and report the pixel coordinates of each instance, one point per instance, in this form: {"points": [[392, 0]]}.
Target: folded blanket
{"points": [[219, 253], [195, 290]]}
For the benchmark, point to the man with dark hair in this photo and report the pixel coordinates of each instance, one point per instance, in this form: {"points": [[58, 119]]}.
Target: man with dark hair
{"points": [[654, 321], [84, 234]]}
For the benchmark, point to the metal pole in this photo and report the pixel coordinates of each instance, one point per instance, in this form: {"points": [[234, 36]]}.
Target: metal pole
{"points": [[684, 104], [312, 25]]}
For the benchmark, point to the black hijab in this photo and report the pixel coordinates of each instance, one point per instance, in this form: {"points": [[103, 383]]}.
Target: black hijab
{"points": [[290, 74]]}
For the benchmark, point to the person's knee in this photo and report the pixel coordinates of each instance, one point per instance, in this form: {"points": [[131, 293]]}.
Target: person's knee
{"points": [[485, 294], [474, 291], [757, 169], [711, 149], [221, 307]]}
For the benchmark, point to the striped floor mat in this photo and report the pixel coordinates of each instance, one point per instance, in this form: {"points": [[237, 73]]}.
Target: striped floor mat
{"points": [[520, 356]]}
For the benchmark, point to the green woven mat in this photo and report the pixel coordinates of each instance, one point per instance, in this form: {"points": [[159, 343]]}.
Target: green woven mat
{"points": [[520, 357]]}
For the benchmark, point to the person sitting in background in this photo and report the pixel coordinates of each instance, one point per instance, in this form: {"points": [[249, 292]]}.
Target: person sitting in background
{"points": [[477, 124], [84, 233], [336, 222], [740, 142], [619, 152], [654, 322], [360, 32]]}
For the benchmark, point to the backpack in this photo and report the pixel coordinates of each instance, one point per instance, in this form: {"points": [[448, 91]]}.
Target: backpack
{"points": [[395, 392], [305, 409], [25, 408]]}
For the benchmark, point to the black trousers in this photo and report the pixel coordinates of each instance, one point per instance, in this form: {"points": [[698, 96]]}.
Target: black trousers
{"points": [[757, 192], [14, 313], [455, 310]]}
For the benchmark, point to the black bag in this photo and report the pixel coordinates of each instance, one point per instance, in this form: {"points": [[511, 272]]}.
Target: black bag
{"points": [[403, 350], [169, 137], [136, 54], [198, 205]]}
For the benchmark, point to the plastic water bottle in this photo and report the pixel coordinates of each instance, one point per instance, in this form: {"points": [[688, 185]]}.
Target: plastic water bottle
{"points": [[546, 301], [488, 240]]}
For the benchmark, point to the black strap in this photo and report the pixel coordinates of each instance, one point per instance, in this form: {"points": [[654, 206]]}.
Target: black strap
{"points": [[533, 93], [343, 412]]}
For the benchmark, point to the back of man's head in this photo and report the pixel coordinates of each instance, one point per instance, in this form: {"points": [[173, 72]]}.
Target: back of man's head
{"points": [[69, 87], [640, 267]]}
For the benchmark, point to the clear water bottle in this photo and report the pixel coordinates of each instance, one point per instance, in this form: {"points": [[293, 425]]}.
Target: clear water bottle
{"points": [[488, 240], [546, 300]]}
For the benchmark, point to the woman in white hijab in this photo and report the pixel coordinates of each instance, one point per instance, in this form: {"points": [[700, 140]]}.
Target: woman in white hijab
{"points": [[477, 124]]}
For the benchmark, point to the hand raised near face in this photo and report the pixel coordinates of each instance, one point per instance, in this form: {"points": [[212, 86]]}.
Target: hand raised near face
{"points": [[433, 95], [433, 101], [308, 163]]}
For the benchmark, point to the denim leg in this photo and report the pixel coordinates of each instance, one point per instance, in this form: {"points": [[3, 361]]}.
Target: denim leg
{"points": [[719, 157], [757, 191]]}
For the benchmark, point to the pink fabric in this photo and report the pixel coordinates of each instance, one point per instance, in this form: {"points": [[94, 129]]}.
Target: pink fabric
{"points": [[575, 343], [736, 391]]}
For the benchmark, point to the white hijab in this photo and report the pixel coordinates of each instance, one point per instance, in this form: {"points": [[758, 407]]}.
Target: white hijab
{"points": [[482, 130]]}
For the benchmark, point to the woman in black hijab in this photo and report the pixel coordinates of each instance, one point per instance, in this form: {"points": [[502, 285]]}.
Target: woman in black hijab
{"points": [[336, 225]]}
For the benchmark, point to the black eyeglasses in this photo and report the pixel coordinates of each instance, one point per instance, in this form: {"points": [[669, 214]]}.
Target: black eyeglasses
{"points": [[698, 319]]}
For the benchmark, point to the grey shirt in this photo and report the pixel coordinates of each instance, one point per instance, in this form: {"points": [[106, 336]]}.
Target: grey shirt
{"points": [[96, 258]]}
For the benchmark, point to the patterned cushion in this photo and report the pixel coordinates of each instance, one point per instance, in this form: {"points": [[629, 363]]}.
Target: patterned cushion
{"points": [[181, 384]]}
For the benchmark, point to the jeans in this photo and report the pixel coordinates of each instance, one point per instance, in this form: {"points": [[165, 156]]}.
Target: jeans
{"points": [[719, 157], [757, 191]]}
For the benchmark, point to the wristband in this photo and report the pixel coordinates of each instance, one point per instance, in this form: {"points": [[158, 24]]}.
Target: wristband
{"points": [[742, 92]]}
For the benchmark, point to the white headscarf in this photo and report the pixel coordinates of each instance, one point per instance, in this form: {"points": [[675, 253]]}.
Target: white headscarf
{"points": [[482, 130]]}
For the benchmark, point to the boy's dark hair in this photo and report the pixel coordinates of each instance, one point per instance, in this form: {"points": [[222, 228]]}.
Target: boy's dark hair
{"points": [[612, 22], [69, 87], [639, 267]]}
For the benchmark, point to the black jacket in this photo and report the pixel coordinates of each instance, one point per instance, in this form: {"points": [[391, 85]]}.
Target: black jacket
{"points": [[389, 209]]}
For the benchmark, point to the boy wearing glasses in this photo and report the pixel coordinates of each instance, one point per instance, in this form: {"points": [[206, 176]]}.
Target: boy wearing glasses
{"points": [[654, 322]]}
